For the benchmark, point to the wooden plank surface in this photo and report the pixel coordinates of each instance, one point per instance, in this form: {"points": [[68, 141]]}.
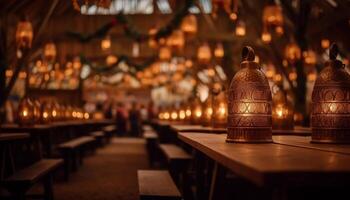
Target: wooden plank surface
{"points": [[18, 128], [269, 164], [304, 142], [6, 137], [156, 184]]}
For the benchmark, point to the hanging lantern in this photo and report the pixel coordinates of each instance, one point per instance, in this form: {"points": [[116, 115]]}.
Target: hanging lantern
{"points": [[176, 39], [272, 15], [76, 63], [219, 51], [309, 57], [266, 37], [24, 34], [249, 103], [269, 71], [111, 60], [26, 112], [292, 52], [293, 75], [279, 30], [50, 51], [330, 117], [220, 110], [106, 43], [207, 111], [325, 43], [233, 16], [282, 112], [164, 53], [204, 53], [189, 24], [188, 63], [240, 28]]}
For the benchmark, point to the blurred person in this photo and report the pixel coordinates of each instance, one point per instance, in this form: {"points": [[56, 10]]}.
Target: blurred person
{"points": [[144, 113], [135, 120], [121, 119]]}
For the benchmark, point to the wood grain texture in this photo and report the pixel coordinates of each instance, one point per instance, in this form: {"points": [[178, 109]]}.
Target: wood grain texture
{"points": [[304, 142], [157, 184], [273, 164]]}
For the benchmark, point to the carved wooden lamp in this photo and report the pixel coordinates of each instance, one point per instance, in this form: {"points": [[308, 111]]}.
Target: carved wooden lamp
{"points": [[249, 103], [330, 117]]}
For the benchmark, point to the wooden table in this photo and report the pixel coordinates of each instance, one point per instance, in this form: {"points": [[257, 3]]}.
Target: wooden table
{"points": [[6, 156], [304, 142], [41, 135], [272, 165], [197, 128]]}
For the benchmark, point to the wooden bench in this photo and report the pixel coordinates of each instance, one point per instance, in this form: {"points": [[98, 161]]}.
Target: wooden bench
{"points": [[109, 131], [157, 185], [178, 163], [152, 146], [73, 152], [99, 137], [20, 182]]}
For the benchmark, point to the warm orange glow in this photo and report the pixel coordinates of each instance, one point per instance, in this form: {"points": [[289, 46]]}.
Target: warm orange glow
{"points": [[24, 34], [240, 28], [174, 115], [106, 43], [166, 115], [204, 53], [219, 51], [50, 51], [266, 37], [325, 43], [189, 24], [182, 114], [164, 53]]}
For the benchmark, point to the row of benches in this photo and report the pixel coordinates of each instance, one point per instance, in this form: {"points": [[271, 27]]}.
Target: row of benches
{"points": [[43, 170], [160, 184]]}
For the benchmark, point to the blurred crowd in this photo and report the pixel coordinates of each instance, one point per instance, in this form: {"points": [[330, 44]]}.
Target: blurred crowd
{"points": [[128, 117]]}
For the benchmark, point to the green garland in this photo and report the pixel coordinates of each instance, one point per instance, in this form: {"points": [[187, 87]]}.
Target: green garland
{"points": [[130, 29]]}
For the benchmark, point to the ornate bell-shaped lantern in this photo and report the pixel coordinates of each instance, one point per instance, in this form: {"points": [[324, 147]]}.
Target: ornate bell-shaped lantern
{"points": [[106, 43], [272, 15], [164, 53], [204, 53], [26, 112], [249, 103], [37, 111], [220, 110], [24, 34], [219, 51], [196, 111], [292, 52], [189, 24], [240, 28], [46, 113], [207, 111], [330, 117], [282, 112]]}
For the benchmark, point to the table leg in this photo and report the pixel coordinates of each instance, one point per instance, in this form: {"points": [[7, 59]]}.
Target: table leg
{"points": [[199, 164], [217, 186]]}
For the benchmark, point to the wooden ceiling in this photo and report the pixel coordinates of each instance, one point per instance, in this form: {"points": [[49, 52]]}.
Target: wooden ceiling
{"points": [[329, 18]]}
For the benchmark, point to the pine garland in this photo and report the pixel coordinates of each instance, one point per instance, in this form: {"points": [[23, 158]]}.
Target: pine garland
{"points": [[131, 31]]}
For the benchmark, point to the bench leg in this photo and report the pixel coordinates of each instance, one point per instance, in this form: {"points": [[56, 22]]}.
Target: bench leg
{"points": [[48, 187]]}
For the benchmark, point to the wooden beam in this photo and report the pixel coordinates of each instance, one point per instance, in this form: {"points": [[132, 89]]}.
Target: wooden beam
{"points": [[26, 56]]}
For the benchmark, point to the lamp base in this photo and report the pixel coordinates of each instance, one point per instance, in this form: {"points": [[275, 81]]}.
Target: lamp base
{"points": [[249, 135], [330, 136]]}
